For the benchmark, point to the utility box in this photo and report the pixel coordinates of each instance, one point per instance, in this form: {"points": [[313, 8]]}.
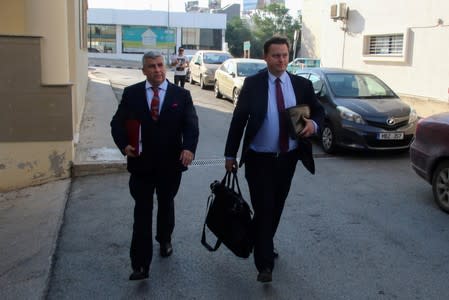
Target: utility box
{"points": [[339, 11]]}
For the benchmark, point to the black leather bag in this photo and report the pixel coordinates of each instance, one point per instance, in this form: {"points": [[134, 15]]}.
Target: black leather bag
{"points": [[228, 216]]}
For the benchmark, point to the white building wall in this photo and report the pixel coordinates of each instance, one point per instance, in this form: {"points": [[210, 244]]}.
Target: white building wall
{"points": [[177, 20], [156, 18], [424, 69]]}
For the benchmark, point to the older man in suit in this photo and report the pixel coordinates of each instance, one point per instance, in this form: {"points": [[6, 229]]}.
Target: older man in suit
{"points": [[269, 153], [162, 120]]}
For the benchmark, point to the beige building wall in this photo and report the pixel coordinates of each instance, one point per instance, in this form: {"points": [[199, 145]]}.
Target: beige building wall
{"points": [[43, 83], [422, 72], [12, 19], [78, 60]]}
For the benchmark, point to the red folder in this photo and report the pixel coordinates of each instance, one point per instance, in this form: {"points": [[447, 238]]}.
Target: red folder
{"points": [[133, 132]]}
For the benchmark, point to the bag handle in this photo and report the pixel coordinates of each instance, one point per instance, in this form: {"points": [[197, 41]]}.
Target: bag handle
{"points": [[203, 236], [231, 180], [235, 180]]}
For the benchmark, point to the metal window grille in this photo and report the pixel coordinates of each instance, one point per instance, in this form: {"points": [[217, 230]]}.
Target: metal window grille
{"points": [[392, 45]]}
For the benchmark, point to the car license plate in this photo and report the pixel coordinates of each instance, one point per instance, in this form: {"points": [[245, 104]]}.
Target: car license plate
{"points": [[390, 136]]}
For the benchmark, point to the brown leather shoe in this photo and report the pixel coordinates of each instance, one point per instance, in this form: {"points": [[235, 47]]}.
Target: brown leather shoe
{"points": [[264, 275], [166, 249], [139, 274]]}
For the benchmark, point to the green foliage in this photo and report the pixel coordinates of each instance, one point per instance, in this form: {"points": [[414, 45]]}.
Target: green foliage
{"points": [[267, 22], [237, 32]]}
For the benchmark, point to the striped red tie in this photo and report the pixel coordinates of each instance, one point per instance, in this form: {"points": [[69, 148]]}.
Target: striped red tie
{"points": [[283, 134], [155, 103]]}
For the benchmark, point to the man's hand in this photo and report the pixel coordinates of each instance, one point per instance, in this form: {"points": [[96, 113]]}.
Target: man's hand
{"points": [[231, 164], [308, 130], [130, 151], [186, 157]]}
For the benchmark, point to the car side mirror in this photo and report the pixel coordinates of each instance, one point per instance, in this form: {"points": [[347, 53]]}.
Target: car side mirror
{"points": [[232, 74], [197, 63]]}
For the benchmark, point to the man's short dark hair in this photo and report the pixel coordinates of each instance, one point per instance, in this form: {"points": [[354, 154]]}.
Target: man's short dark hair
{"points": [[278, 40], [181, 49]]}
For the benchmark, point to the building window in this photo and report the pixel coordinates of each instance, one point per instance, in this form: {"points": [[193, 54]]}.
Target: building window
{"points": [[386, 44], [190, 38], [101, 38], [204, 39], [390, 45], [385, 47]]}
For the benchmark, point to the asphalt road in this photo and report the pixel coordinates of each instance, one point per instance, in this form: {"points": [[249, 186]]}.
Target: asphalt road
{"points": [[364, 227]]}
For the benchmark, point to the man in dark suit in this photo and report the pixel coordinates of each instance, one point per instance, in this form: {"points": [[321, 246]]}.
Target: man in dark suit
{"points": [[160, 116], [269, 153]]}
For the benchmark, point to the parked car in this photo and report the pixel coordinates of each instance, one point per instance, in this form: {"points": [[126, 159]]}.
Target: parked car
{"points": [[429, 155], [300, 63], [362, 112], [204, 64], [93, 50], [230, 75]]}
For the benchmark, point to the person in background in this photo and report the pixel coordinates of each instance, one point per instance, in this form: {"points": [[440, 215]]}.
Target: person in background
{"points": [[158, 149], [180, 62], [269, 154]]}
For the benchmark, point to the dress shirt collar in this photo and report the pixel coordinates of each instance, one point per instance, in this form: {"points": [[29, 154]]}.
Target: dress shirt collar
{"points": [[162, 86], [272, 78]]}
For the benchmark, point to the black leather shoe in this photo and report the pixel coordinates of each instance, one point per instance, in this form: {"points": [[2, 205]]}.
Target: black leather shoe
{"points": [[140, 274], [166, 249], [275, 253], [264, 275]]}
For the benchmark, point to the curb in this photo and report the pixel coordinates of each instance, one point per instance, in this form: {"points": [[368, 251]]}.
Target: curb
{"points": [[112, 66], [98, 168], [55, 241]]}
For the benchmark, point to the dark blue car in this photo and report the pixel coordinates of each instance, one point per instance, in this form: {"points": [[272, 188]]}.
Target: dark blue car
{"points": [[362, 112]]}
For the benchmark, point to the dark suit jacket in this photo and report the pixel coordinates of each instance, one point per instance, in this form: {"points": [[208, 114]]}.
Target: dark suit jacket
{"points": [[162, 140], [251, 110]]}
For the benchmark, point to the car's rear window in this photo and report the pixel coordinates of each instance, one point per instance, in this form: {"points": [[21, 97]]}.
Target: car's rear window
{"points": [[215, 58], [248, 69]]}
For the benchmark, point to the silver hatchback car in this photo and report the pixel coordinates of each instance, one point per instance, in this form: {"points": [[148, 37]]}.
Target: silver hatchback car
{"points": [[203, 65], [230, 75]]}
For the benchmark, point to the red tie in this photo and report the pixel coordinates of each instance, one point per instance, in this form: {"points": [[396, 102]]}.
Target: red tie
{"points": [[283, 134], [155, 103]]}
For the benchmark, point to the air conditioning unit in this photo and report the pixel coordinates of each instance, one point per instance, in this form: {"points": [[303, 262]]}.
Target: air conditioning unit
{"points": [[339, 11]]}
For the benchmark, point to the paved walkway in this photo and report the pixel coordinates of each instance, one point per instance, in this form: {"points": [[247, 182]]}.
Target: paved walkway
{"points": [[31, 218]]}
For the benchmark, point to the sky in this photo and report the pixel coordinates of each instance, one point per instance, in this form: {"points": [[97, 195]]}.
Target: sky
{"points": [[175, 5]]}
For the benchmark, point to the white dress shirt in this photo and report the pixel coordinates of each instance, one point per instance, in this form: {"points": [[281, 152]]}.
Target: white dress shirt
{"points": [[267, 139]]}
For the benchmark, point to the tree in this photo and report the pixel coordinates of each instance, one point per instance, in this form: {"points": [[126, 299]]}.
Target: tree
{"points": [[237, 32], [271, 20]]}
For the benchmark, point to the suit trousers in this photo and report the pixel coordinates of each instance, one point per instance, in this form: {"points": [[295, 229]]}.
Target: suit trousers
{"points": [[142, 188], [269, 177]]}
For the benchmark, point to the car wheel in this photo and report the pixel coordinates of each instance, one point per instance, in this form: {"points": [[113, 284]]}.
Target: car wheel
{"points": [[217, 90], [235, 96], [202, 85], [440, 185], [328, 139]]}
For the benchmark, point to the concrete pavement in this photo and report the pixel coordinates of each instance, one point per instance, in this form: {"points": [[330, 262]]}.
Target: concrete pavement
{"points": [[32, 217]]}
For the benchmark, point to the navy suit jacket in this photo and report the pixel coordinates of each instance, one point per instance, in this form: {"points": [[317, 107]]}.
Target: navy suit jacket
{"points": [[162, 140], [251, 110]]}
